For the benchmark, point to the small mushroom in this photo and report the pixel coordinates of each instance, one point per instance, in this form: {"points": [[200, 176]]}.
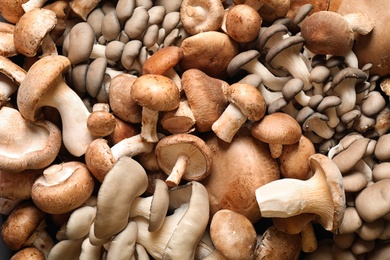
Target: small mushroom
{"points": [[183, 156], [276, 130], [25, 144], [327, 199], [201, 16], [11, 77], [246, 103], [63, 187], [101, 122], [28, 253]]}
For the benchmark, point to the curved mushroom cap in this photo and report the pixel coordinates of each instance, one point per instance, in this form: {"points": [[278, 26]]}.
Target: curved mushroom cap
{"points": [[63, 187], [243, 23], [217, 50], [233, 235], [162, 60], [249, 99], [240, 60], [277, 129], [198, 156], [327, 32], [30, 252], [238, 169], [28, 145], [31, 28], [99, 158], [201, 16], [20, 225], [41, 77], [159, 206], [12, 10], [156, 92], [75, 51]]}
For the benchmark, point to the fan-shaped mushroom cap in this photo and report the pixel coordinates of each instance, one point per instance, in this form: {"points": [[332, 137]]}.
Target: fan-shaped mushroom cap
{"points": [[277, 129]]}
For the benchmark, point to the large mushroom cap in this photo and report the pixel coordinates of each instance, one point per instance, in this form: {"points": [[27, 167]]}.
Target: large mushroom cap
{"points": [[156, 92], [41, 77]]}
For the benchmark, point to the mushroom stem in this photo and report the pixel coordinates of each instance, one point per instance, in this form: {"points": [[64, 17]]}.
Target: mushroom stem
{"points": [[131, 146], [141, 207], [43, 241], [149, 125], [56, 174], [230, 121], [177, 171]]}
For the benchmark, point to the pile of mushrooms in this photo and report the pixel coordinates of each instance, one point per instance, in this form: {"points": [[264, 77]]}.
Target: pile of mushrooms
{"points": [[140, 129]]}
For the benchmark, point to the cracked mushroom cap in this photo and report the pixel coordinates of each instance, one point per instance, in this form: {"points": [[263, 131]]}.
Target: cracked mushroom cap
{"points": [[183, 156], [63, 187], [277, 129], [32, 28], [28, 145]]}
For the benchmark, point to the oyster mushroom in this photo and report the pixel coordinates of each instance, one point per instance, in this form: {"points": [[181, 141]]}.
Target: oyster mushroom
{"points": [[63, 187], [327, 197]]}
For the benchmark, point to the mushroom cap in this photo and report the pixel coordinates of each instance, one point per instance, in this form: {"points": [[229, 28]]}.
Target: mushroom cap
{"points": [[162, 60], [201, 15], [155, 92], [30, 252], [29, 145], [243, 23], [241, 245], [20, 225], [31, 28], [240, 60], [66, 195], [327, 32], [17, 185], [7, 46], [12, 10], [99, 158], [277, 128], [169, 148], [217, 50], [39, 80], [159, 206], [75, 51]]}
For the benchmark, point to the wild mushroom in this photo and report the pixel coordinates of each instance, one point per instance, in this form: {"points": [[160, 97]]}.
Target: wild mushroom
{"points": [[25, 227], [231, 183], [201, 16], [183, 156], [183, 229], [44, 86], [243, 23], [276, 130], [123, 244], [246, 103], [63, 187], [32, 32], [25, 144], [154, 93], [326, 198], [233, 235], [101, 122], [154, 207], [137, 24], [113, 205]]}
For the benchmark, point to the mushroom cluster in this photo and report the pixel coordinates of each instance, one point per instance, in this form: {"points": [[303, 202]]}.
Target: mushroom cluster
{"points": [[140, 129]]}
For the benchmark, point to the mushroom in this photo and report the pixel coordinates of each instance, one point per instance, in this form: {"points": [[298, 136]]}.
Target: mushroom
{"points": [[7, 46], [28, 253], [183, 156], [25, 144], [82, 8], [322, 194], [101, 122], [32, 32], [137, 24], [113, 205], [180, 120], [71, 248], [243, 23], [90, 251], [233, 235], [17, 185], [246, 103], [25, 227], [11, 10], [154, 93], [44, 86], [63, 187], [154, 208], [183, 229], [201, 16], [276, 130], [205, 97], [237, 170], [11, 77]]}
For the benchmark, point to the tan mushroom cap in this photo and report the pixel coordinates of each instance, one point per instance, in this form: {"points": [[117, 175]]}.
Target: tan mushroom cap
{"points": [[31, 253], [12, 10], [63, 187], [327, 32], [32, 28], [277, 129], [233, 235], [156, 92], [28, 145], [17, 185], [183, 156], [7, 46], [162, 60]]}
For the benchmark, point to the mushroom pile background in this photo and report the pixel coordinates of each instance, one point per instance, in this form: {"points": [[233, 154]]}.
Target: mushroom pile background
{"points": [[183, 129]]}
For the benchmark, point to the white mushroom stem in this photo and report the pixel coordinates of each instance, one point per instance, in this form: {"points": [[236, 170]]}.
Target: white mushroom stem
{"points": [[229, 122], [55, 174], [98, 51], [269, 96], [41, 240], [131, 146], [149, 125], [141, 207], [177, 170]]}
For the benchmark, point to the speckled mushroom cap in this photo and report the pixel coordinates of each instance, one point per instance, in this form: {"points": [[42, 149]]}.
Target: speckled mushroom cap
{"points": [[41, 77], [327, 32], [162, 60], [12, 10], [156, 92]]}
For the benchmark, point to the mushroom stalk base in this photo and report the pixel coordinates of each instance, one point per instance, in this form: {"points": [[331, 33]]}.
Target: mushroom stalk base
{"points": [[229, 123], [149, 125], [177, 171]]}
